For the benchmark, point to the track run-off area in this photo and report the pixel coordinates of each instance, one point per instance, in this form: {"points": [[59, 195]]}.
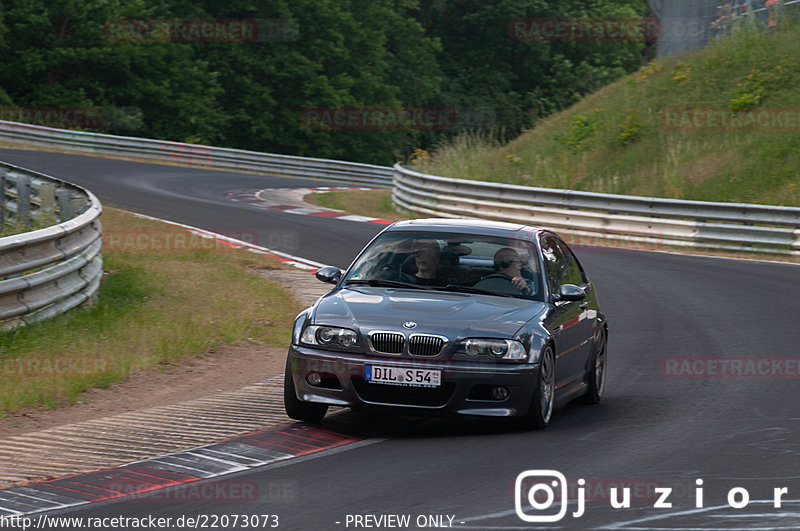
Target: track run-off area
{"points": [[700, 414]]}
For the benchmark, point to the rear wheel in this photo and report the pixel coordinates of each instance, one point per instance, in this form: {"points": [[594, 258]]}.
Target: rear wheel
{"points": [[597, 372], [298, 409], [541, 409]]}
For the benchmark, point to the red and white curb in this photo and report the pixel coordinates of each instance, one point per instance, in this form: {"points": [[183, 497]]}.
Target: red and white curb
{"points": [[179, 468], [290, 201], [171, 470]]}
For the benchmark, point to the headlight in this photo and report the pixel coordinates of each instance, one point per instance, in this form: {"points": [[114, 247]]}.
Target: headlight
{"points": [[500, 349], [329, 336]]}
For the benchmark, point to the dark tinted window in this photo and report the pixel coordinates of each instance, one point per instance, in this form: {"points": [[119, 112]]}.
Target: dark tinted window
{"points": [[561, 266]]}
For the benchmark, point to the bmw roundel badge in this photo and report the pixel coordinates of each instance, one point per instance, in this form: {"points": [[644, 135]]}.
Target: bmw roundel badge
{"points": [[409, 325]]}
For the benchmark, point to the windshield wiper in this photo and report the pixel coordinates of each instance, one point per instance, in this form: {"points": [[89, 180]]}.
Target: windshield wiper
{"points": [[378, 283], [478, 291]]}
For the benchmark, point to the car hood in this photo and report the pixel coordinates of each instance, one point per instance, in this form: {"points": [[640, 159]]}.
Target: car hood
{"points": [[451, 314]]}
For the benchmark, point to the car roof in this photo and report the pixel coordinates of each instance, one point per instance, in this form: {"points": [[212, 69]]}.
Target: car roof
{"points": [[465, 226]]}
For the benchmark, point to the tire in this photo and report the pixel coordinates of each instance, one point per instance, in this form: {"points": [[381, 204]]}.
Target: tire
{"points": [[298, 409], [541, 409], [596, 376]]}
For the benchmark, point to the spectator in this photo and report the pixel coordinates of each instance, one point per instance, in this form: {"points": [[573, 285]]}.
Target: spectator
{"points": [[772, 6]]}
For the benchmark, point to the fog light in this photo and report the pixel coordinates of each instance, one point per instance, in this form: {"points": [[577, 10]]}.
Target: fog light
{"points": [[499, 393], [314, 378]]}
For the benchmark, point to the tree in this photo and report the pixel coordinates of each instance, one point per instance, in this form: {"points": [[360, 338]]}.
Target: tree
{"points": [[332, 54], [522, 80], [63, 56]]}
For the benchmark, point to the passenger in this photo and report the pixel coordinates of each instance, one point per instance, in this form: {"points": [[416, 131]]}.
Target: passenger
{"points": [[426, 258]]}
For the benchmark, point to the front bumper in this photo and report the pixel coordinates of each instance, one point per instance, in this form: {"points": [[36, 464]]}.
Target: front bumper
{"points": [[465, 386]]}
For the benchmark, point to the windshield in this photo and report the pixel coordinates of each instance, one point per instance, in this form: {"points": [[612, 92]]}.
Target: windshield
{"points": [[453, 262]]}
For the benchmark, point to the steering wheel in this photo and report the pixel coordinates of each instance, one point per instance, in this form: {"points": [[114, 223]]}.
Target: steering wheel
{"points": [[500, 283]]}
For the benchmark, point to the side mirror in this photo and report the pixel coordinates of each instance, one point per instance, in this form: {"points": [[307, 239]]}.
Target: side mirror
{"points": [[569, 293], [329, 274]]}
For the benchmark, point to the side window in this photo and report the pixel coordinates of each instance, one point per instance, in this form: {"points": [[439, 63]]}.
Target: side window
{"points": [[561, 266], [553, 261], [573, 272]]}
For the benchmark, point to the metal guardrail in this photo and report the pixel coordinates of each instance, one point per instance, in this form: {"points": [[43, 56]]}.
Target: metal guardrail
{"points": [[215, 157], [687, 25], [728, 226], [47, 271], [739, 9]]}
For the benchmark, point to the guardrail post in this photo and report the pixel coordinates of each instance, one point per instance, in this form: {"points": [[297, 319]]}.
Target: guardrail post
{"points": [[24, 200], [65, 210], [3, 172], [47, 203]]}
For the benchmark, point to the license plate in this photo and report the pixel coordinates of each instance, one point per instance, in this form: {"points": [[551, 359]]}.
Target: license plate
{"points": [[402, 376]]}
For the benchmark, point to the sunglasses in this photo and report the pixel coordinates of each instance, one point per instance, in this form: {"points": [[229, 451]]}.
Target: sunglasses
{"points": [[505, 264]]}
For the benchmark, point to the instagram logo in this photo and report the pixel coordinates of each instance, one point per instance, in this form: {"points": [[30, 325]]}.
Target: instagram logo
{"points": [[543, 495], [550, 486]]}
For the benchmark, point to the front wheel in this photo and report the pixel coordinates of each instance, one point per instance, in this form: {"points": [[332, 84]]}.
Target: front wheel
{"points": [[298, 409], [541, 409]]}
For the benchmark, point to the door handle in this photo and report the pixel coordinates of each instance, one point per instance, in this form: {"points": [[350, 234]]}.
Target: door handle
{"points": [[584, 305]]}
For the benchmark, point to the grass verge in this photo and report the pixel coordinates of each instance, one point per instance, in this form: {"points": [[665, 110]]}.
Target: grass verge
{"points": [[684, 128], [371, 203], [167, 295]]}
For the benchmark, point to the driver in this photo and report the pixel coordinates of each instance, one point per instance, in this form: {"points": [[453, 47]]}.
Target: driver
{"points": [[508, 264]]}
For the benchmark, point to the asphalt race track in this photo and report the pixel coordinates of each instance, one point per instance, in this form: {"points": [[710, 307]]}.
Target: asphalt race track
{"points": [[197, 197], [672, 318]]}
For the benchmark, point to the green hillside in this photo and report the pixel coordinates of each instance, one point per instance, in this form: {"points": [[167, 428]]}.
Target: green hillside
{"points": [[720, 124]]}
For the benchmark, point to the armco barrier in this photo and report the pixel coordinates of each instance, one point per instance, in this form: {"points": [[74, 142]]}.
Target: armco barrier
{"points": [[220, 158], [729, 226], [47, 271], [702, 224]]}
